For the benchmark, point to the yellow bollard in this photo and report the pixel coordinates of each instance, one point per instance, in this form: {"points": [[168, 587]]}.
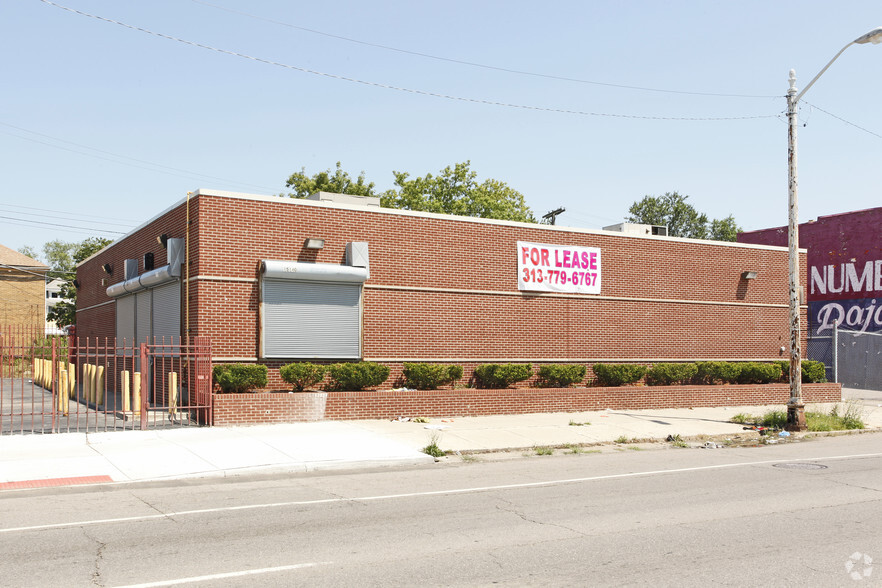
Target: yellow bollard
{"points": [[136, 392], [173, 392], [124, 380], [99, 385], [59, 406], [72, 382], [87, 382], [62, 392]]}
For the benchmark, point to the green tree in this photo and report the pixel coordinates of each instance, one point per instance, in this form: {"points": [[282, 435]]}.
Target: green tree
{"points": [[65, 310], [681, 218], [337, 182], [29, 251], [724, 229], [456, 190], [59, 257]]}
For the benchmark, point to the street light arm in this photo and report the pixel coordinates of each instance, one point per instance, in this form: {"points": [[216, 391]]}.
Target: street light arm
{"points": [[874, 37], [820, 73]]}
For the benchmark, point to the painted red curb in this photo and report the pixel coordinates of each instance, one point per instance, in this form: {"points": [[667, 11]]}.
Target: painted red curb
{"points": [[50, 482]]}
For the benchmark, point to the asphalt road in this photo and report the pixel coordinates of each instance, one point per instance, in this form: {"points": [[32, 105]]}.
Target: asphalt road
{"points": [[807, 514]]}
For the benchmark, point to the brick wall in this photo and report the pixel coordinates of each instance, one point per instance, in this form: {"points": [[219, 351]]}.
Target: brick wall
{"points": [[444, 289], [22, 299], [265, 408]]}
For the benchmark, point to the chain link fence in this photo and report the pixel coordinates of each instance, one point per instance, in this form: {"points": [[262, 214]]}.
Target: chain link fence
{"points": [[852, 358]]}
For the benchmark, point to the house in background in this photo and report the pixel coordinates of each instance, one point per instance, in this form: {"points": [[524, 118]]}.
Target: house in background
{"points": [[22, 291], [53, 297]]}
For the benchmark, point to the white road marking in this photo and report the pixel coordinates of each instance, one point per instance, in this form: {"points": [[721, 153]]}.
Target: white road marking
{"points": [[192, 579], [452, 491]]}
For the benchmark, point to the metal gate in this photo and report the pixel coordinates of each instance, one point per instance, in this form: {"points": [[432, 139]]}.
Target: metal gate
{"points": [[68, 384]]}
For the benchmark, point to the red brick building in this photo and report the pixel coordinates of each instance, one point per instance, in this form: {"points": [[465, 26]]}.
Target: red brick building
{"points": [[275, 280]]}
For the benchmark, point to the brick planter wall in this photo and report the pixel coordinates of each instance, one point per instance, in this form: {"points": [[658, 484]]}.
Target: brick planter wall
{"points": [[259, 408], [275, 407]]}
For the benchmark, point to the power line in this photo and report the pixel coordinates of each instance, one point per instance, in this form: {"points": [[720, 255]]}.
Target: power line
{"points": [[480, 65], [839, 118], [20, 220], [161, 168], [75, 214], [43, 215], [399, 88]]}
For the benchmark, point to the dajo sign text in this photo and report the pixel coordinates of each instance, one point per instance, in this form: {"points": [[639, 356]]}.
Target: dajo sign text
{"points": [[558, 268]]}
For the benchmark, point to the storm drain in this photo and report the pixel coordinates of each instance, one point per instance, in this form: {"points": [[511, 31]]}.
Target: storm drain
{"points": [[800, 466]]}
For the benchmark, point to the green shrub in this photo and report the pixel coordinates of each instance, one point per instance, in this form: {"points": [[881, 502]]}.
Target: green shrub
{"points": [[785, 370], [665, 374], [237, 377], [429, 376], [714, 372], [753, 372], [561, 375], [502, 375], [357, 376], [301, 375], [813, 372], [617, 374]]}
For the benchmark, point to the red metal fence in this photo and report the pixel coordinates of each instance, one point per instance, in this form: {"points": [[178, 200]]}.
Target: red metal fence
{"points": [[67, 384]]}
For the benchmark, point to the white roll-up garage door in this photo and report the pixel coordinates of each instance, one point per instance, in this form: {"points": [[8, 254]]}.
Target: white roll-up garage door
{"points": [[312, 320], [143, 319], [125, 320], [167, 313]]}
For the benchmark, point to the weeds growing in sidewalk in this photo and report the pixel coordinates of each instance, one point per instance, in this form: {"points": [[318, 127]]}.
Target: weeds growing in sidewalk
{"points": [[677, 441], [842, 417], [432, 448], [543, 450]]}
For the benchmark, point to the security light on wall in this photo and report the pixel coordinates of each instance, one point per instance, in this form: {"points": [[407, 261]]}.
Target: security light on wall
{"points": [[748, 275], [163, 240], [108, 269], [76, 284], [315, 243]]}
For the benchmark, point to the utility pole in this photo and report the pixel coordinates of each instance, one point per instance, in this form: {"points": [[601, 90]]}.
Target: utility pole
{"points": [[551, 215]]}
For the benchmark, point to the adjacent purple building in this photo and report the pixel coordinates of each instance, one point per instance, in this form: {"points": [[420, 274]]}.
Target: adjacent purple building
{"points": [[843, 281]]}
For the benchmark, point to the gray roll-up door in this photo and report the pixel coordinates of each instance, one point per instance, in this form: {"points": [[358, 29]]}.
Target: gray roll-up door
{"points": [[320, 320], [125, 320], [167, 313], [143, 317]]}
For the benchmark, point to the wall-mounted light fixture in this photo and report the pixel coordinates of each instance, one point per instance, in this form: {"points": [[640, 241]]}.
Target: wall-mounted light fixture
{"points": [[312, 243], [108, 269], [748, 275], [163, 240], [76, 284]]}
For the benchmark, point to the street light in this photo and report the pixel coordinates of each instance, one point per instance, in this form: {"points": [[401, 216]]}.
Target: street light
{"points": [[795, 407]]}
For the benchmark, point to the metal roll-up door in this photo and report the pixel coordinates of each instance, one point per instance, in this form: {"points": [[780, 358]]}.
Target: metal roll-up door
{"points": [[143, 318], [319, 320], [167, 313], [125, 320]]}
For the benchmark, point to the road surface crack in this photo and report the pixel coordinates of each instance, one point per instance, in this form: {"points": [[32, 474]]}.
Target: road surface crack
{"points": [[99, 559], [510, 507]]}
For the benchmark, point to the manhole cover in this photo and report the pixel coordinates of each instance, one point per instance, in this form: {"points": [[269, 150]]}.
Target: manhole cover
{"points": [[800, 466]]}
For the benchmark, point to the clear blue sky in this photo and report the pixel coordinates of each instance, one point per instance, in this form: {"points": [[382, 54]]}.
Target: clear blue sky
{"points": [[103, 126]]}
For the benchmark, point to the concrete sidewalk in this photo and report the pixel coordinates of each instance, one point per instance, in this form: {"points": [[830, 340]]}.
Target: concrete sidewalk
{"points": [[29, 461]]}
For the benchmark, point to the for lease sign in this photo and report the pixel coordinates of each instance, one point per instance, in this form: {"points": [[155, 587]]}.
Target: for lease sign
{"points": [[558, 268]]}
